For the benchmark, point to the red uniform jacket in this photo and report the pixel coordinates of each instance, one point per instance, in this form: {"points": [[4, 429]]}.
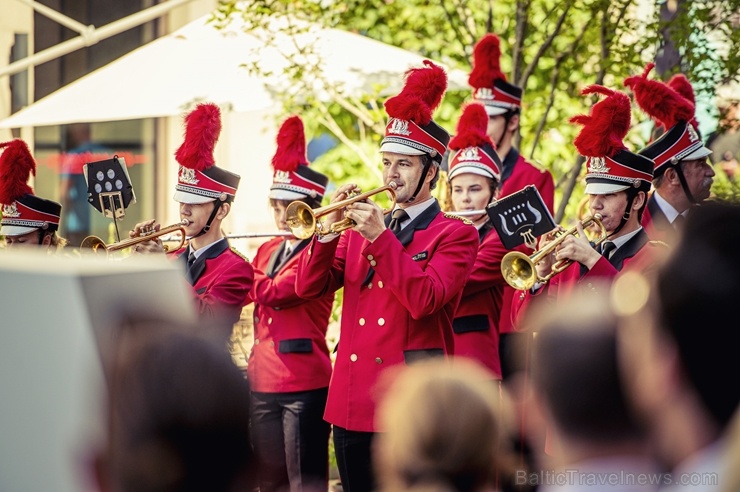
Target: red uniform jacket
{"points": [[289, 351], [637, 254], [476, 323], [516, 174], [400, 295], [656, 223], [221, 279]]}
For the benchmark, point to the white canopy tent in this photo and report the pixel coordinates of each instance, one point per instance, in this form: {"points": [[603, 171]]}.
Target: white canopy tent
{"points": [[200, 63]]}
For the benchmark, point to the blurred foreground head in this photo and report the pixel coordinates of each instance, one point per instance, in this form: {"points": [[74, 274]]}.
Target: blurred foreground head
{"points": [[576, 376], [442, 426], [178, 416], [698, 291], [678, 345]]}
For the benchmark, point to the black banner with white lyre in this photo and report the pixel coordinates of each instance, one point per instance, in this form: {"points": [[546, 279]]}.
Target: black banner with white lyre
{"points": [[520, 218]]}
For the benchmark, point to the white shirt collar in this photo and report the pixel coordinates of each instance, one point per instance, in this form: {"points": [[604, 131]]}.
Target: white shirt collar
{"points": [[668, 210]]}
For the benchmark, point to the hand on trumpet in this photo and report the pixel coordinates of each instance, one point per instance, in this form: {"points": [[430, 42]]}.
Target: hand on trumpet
{"points": [[341, 193], [142, 229], [368, 218], [578, 248]]}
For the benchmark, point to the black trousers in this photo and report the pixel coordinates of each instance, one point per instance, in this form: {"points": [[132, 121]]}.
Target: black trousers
{"points": [[291, 440], [354, 459]]}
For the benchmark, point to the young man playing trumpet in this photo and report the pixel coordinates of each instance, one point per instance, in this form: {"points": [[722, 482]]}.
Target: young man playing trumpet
{"points": [[402, 278], [220, 276], [617, 183]]}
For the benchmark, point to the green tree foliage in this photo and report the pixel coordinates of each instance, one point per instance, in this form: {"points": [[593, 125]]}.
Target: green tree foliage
{"points": [[552, 48]]}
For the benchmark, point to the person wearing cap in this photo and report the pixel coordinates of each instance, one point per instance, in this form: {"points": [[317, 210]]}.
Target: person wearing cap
{"points": [[27, 219], [503, 103], [402, 276], [617, 184], [474, 173], [289, 366], [682, 177], [220, 276]]}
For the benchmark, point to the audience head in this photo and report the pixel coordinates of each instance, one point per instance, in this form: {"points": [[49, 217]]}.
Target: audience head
{"points": [[576, 377], [677, 344], [442, 425], [178, 417]]}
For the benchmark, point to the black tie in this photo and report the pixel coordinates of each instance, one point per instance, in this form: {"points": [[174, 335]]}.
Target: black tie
{"points": [[191, 259], [286, 252], [679, 222], [607, 248], [399, 215]]}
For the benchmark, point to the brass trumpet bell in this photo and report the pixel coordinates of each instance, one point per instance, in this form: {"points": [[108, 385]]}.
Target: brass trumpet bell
{"points": [[97, 245], [519, 270], [304, 222]]}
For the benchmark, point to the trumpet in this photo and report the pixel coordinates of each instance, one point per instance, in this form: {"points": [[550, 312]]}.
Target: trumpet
{"points": [[304, 222], [519, 270], [96, 245]]}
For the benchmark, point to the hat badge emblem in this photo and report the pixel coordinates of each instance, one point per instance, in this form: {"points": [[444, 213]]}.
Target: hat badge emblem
{"points": [[187, 176], [282, 177], [470, 154], [693, 137], [485, 93], [597, 165], [399, 127], [11, 211]]}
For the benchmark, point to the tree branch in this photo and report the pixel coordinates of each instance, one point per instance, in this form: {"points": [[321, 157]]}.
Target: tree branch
{"points": [[553, 86], [522, 81]]}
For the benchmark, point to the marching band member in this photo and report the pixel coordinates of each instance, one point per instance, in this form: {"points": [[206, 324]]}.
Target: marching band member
{"points": [[27, 219], [289, 367], [617, 183], [475, 170], [220, 276], [503, 103], [682, 177], [402, 278]]}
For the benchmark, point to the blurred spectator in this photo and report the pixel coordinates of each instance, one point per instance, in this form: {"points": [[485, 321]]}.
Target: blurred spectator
{"points": [[678, 353], [594, 441], [729, 165], [442, 427], [178, 416]]}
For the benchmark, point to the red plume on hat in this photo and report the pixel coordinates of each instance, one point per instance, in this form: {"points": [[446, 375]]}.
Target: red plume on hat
{"points": [[16, 167], [661, 102], [607, 125], [291, 146], [471, 128], [681, 84], [202, 129], [486, 62], [420, 95]]}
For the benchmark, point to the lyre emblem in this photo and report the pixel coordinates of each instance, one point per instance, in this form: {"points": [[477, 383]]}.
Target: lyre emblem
{"points": [[187, 176], [399, 127], [597, 165], [469, 154], [11, 211], [282, 177]]}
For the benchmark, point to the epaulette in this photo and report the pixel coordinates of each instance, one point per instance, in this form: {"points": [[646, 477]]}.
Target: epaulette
{"points": [[458, 217], [239, 253], [658, 244]]}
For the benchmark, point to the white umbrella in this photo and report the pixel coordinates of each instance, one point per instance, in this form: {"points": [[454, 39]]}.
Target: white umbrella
{"points": [[200, 63]]}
